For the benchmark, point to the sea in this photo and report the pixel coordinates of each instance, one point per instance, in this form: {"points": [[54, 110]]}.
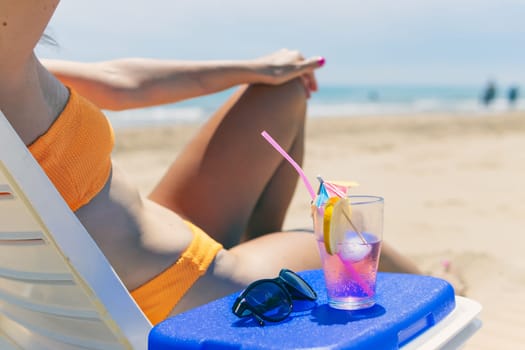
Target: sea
{"points": [[338, 101]]}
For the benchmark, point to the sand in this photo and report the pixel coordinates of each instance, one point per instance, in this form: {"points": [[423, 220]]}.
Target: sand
{"points": [[453, 187]]}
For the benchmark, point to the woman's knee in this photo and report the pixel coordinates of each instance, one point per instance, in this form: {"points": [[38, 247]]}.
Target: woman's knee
{"points": [[293, 91], [288, 98]]}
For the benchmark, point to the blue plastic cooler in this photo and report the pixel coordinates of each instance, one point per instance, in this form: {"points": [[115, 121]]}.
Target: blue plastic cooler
{"points": [[407, 305]]}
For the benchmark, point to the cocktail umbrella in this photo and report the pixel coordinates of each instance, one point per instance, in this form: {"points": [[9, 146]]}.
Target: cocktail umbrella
{"points": [[322, 194], [338, 188]]}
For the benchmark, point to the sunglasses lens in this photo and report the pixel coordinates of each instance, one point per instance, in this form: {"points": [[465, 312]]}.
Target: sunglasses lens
{"points": [[297, 287], [269, 300]]}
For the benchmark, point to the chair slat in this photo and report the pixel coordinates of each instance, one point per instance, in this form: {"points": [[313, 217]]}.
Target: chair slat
{"points": [[5, 193], [35, 276], [62, 293], [70, 330], [56, 310], [20, 236], [20, 337], [14, 216], [34, 256]]}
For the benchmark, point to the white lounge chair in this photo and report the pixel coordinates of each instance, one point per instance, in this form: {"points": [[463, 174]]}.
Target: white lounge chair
{"points": [[57, 290]]}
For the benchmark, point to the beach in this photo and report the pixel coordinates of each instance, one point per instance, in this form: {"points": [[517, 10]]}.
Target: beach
{"points": [[453, 187]]}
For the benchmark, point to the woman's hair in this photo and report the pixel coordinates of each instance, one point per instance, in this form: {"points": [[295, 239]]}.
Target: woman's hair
{"points": [[47, 39]]}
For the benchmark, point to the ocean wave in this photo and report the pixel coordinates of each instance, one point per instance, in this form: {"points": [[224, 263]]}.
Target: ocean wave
{"points": [[156, 116], [434, 106], [332, 102]]}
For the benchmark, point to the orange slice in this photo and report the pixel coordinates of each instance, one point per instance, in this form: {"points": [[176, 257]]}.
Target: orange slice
{"points": [[336, 223]]}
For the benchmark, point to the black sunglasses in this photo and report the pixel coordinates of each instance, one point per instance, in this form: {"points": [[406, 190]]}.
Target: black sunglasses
{"points": [[271, 299]]}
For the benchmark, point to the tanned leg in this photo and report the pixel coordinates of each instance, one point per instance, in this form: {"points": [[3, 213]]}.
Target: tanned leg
{"points": [[270, 211], [393, 261], [229, 178]]}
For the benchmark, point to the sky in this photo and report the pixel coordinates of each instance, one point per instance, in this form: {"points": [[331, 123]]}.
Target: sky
{"points": [[441, 42]]}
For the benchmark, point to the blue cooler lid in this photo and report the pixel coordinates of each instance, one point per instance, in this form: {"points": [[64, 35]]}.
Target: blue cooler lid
{"points": [[407, 305]]}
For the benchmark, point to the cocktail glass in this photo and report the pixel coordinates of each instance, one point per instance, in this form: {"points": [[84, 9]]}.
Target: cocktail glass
{"points": [[350, 263]]}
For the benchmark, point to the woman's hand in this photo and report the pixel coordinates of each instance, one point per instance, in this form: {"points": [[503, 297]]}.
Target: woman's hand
{"points": [[284, 65]]}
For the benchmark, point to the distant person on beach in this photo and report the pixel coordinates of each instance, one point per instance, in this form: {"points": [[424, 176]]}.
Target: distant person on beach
{"points": [[213, 224], [489, 94], [373, 96], [513, 95]]}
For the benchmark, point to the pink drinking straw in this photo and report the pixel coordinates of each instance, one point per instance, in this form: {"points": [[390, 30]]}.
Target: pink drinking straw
{"points": [[354, 274], [289, 159], [356, 277]]}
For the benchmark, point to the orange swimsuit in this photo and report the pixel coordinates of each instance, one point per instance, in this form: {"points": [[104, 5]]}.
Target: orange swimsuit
{"points": [[75, 153], [159, 296]]}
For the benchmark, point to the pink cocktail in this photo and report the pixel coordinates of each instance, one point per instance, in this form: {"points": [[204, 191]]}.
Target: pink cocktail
{"points": [[350, 277], [350, 271]]}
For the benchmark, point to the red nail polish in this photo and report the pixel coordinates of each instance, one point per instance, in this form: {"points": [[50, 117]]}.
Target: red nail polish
{"points": [[321, 61]]}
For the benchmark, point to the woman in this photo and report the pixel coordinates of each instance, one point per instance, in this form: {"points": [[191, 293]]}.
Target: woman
{"points": [[157, 244]]}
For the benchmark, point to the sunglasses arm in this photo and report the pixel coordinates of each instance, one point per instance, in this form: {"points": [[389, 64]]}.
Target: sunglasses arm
{"points": [[239, 308], [260, 320]]}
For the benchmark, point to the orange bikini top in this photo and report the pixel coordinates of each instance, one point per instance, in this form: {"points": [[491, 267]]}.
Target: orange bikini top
{"points": [[75, 152]]}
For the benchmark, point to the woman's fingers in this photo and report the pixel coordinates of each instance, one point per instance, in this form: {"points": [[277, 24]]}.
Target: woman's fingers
{"points": [[306, 84], [312, 81], [308, 66], [313, 63], [288, 64]]}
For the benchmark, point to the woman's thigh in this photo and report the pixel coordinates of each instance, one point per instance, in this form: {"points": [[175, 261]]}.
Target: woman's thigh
{"points": [[218, 178]]}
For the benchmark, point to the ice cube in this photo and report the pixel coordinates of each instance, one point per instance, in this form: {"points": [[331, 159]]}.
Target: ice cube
{"points": [[353, 249]]}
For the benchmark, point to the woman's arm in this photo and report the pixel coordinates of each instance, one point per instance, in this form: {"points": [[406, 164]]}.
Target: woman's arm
{"points": [[137, 82]]}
